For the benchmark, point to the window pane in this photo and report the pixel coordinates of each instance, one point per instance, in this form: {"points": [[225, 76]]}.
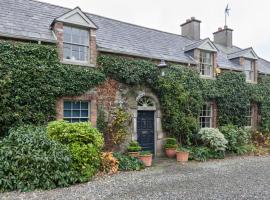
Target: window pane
{"points": [[76, 105], [84, 113], [67, 34], [75, 120], [84, 37], [67, 113], [84, 105], [76, 113], [67, 105], [67, 51], [75, 52], [84, 120], [75, 35]]}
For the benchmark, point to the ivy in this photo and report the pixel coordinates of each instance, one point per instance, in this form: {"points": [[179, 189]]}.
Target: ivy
{"points": [[31, 80]]}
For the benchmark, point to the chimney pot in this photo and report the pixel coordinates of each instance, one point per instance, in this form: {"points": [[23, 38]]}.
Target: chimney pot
{"points": [[192, 18], [219, 29]]}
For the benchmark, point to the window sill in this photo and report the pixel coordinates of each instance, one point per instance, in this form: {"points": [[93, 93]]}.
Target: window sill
{"points": [[208, 77], [70, 62]]}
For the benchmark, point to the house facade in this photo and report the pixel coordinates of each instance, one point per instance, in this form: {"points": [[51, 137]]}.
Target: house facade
{"points": [[80, 37]]}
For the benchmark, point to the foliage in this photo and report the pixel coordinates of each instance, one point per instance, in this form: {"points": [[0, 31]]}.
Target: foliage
{"points": [[232, 98], [181, 100], [29, 160], [182, 149], [237, 137], [117, 130], [109, 164], [145, 153], [129, 71], [31, 80], [84, 142], [213, 139], [134, 146], [102, 124], [128, 163], [260, 138], [170, 143], [202, 153]]}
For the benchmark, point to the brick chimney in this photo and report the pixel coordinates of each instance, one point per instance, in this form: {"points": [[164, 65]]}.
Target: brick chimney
{"points": [[223, 36], [191, 28]]}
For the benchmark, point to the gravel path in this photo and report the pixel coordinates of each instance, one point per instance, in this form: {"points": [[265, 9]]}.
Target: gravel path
{"points": [[234, 178]]}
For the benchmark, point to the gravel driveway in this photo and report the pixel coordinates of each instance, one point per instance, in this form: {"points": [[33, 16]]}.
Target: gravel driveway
{"points": [[234, 178]]}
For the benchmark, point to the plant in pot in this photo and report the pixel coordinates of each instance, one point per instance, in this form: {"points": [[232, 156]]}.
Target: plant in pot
{"points": [[170, 147], [134, 148], [146, 157], [182, 154]]}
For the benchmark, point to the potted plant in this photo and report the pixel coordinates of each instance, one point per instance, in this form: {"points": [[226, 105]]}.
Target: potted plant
{"points": [[182, 154], [170, 147], [146, 157], [134, 148]]}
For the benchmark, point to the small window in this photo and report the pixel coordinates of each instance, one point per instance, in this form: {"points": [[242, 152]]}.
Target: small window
{"points": [[206, 116], [249, 70], [206, 64], [249, 115], [76, 44], [76, 111]]}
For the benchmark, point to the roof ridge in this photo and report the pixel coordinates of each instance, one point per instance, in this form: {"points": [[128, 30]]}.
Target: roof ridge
{"points": [[241, 50], [129, 23]]}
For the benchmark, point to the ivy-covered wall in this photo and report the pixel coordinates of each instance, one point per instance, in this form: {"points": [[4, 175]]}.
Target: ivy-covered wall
{"points": [[32, 78]]}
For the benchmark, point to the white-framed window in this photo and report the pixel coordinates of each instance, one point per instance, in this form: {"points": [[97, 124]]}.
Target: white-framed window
{"points": [[206, 64], [76, 111], [249, 115], [249, 70], [76, 44], [206, 116]]}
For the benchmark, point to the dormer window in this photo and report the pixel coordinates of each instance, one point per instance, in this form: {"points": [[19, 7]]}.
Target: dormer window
{"points": [[249, 67], [206, 64], [76, 44]]}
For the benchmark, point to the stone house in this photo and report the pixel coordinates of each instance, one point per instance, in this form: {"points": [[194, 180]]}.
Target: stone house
{"points": [[80, 37]]}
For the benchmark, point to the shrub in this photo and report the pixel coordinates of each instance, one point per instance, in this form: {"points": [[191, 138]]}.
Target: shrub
{"points": [[29, 160], [84, 142], [237, 137], [117, 130], [134, 146], [201, 153], [128, 163], [109, 164], [170, 143], [213, 138]]}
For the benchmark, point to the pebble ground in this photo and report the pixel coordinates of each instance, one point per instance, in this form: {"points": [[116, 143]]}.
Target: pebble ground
{"points": [[232, 178]]}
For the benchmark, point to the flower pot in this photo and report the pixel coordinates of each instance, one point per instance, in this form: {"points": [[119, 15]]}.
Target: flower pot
{"points": [[170, 152], [134, 154], [182, 156], [146, 159]]}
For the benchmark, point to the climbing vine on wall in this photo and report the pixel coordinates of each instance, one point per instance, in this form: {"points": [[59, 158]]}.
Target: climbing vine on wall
{"points": [[31, 79]]}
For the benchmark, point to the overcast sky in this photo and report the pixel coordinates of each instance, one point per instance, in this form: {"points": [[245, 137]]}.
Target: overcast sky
{"points": [[248, 18]]}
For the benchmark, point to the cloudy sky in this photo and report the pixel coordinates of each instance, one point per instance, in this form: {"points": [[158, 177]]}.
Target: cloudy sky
{"points": [[248, 18]]}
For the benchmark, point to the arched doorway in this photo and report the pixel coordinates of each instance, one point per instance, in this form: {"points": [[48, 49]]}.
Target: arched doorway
{"points": [[146, 123]]}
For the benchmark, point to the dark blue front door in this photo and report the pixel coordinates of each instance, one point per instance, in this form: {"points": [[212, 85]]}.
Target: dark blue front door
{"points": [[146, 130]]}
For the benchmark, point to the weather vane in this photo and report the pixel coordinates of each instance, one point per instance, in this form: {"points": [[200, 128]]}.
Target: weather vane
{"points": [[227, 13]]}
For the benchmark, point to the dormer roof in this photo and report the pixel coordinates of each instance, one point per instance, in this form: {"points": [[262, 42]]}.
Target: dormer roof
{"points": [[205, 44], [76, 17], [248, 53]]}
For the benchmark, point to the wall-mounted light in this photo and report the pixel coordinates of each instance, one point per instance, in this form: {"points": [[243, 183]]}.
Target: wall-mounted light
{"points": [[162, 65]]}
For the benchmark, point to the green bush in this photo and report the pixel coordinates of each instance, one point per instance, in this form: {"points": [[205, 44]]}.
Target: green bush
{"points": [[170, 143], [128, 163], [237, 138], [134, 146], [30, 160], [84, 142], [202, 153], [213, 139]]}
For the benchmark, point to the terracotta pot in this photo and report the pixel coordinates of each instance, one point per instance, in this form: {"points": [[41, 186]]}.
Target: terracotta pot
{"points": [[170, 152], [146, 159], [182, 156], [134, 154]]}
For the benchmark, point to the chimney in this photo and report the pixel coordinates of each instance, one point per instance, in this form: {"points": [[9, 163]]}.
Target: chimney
{"points": [[223, 36], [191, 28]]}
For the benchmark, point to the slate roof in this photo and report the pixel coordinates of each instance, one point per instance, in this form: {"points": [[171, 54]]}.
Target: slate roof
{"points": [[30, 19]]}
